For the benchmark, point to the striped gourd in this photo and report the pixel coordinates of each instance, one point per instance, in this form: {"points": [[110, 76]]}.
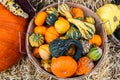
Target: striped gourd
{"points": [[73, 33], [95, 53]]}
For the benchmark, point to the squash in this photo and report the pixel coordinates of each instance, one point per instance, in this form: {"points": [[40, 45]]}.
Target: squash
{"points": [[95, 53], [51, 18], [73, 33], [59, 47], [85, 65], [40, 18], [86, 46], [52, 10], [46, 64], [110, 16], [64, 10], [95, 40], [117, 33], [71, 51], [36, 39], [44, 52], [51, 34], [90, 19], [40, 29], [77, 13], [62, 26], [36, 52], [13, 7], [10, 26], [87, 30], [63, 66]]}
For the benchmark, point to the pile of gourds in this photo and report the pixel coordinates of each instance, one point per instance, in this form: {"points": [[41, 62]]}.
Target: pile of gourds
{"points": [[65, 41]]}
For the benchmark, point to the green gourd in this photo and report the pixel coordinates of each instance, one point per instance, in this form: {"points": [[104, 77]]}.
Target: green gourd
{"points": [[95, 53], [36, 39], [51, 18], [52, 10], [59, 47], [73, 33]]}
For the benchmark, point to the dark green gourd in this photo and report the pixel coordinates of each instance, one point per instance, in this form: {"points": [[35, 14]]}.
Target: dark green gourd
{"points": [[59, 47], [51, 18]]}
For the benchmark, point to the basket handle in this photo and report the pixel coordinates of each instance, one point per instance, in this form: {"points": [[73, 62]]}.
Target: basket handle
{"points": [[20, 43]]}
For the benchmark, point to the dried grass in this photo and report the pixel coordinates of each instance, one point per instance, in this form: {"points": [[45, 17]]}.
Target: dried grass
{"points": [[109, 69]]}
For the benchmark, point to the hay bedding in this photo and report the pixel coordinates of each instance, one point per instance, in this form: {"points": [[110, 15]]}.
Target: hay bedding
{"points": [[109, 69]]}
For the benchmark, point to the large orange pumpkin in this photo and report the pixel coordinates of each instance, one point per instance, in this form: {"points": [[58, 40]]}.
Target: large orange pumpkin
{"points": [[10, 26]]}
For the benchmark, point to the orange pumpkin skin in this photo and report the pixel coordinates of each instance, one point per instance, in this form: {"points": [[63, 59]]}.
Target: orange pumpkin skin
{"points": [[63, 66], [95, 40], [40, 29], [51, 34], [10, 26], [85, 65], [77, 12]]}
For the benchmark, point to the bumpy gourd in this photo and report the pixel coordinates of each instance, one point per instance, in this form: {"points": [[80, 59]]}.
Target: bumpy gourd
{"points": [[52, 10], [87, 30], [36, 40], [59, 47], [90, 19]]}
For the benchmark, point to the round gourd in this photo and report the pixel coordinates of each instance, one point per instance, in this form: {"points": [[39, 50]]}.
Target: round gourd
{"points": [[44, 52], [51, 34], [85, 65], [40, 18], [63, 66], [10, 26], [36, 39], [52, 10], [73, 33], [95, 40], [36, 52], [95, 53], [51, 18], [62, 26], [40, 29]]}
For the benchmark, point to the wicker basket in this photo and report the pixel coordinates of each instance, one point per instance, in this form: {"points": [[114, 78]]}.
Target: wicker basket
{"points": [[99, 30]]}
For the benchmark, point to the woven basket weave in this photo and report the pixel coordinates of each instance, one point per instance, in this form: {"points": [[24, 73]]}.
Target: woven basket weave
{"points": [[99, 30]]}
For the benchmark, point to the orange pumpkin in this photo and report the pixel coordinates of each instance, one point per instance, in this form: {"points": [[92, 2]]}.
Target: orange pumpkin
{"points": [[85, 65], [95, 40], [40, 29], [63, 66], [36, 52], [77, 12], [40, 18], [51, 34], [10, 26]]}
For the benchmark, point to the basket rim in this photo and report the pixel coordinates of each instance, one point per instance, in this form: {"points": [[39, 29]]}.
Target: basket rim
{"points": [[41, 69]]}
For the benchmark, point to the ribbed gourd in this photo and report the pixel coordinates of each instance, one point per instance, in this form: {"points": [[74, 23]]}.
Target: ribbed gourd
{"points": [[87, 30], [51, 18], [52, 10], [36, 39], [59, 47], [73, 33]]}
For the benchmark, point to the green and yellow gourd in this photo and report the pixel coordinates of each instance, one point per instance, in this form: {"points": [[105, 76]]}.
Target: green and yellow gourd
{"points": [[14, 8], [36, 39], [73, 33], [53, 11], [59, 47], [95, 53], [87, 30], [110, 16]]}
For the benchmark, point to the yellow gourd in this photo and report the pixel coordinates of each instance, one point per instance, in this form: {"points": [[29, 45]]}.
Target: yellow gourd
{"points": [[110, 16]]}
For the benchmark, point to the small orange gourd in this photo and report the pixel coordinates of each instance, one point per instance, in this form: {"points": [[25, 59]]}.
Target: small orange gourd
{"points": [[63, 66], [36, 52], [85, 65], [40, 18], [77, 13], [95, 40], [40, 29], [51, 34]]}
